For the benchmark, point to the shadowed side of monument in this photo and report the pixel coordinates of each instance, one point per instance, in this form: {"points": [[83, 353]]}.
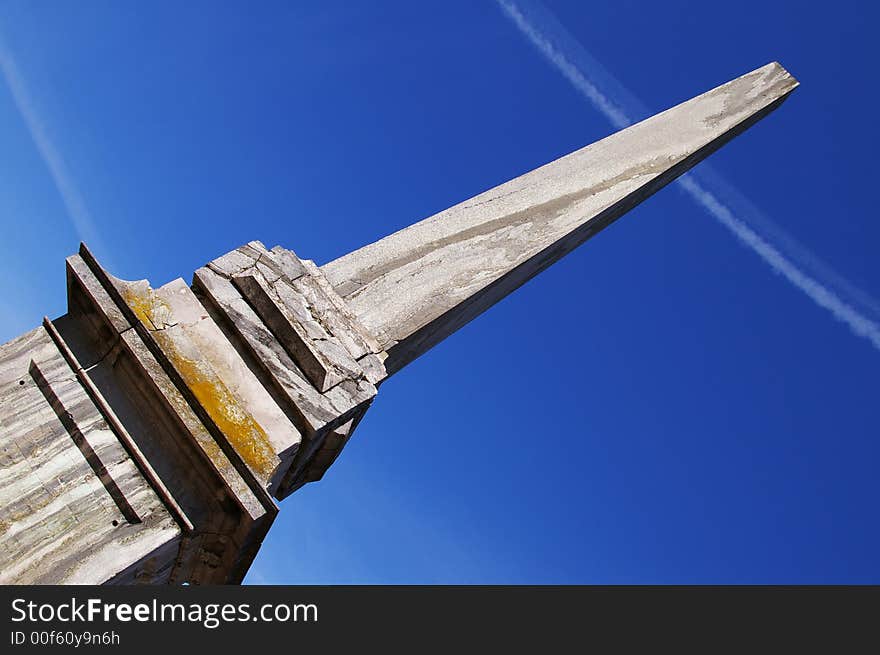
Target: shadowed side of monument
{"points": [[145, 434]]}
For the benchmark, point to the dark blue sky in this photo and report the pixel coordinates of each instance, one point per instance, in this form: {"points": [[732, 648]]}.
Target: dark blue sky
{"points": [[658, 407]]}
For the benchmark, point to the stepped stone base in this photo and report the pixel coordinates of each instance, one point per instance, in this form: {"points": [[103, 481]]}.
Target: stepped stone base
{"points": [[145, 434]]}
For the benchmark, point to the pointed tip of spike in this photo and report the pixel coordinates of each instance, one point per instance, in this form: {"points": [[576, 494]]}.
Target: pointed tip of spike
{"points": [[791, 82]]}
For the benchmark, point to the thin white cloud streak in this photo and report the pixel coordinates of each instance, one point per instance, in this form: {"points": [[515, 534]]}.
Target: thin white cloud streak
{"points": [[569, 70], [73, 201], [819, 293], [816, 291]]}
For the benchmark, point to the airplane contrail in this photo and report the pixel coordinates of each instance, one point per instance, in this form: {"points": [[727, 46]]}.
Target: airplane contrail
{"points": [[73, 201], [564, 58]]}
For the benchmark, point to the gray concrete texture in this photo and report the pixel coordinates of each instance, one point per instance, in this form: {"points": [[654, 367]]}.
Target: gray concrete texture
{"points": [[146, 435], [415, 287]]}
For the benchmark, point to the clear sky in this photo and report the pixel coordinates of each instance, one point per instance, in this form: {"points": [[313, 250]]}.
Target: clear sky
{"points": [[659, 407]]}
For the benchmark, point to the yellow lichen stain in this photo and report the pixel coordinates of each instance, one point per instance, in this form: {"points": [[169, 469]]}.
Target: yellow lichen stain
{"points": [[241, 430], [142, 303]]}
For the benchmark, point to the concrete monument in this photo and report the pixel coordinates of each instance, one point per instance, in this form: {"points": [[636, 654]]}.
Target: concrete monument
{"points": [[146, 435]]}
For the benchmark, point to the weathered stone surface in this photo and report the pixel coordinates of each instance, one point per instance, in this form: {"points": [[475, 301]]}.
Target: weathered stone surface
{"points": [[370, 344], [417, 286], [75, 508], [290, 264], [156, 376], [142, 433], [236, 402], [126, 441], [286, 312], [302, 311], [299, 334], [316, 412], [229, 514]]}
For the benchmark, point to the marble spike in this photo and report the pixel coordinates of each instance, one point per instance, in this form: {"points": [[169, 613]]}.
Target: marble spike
{"points": [[146, 434], [417, 286]]}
